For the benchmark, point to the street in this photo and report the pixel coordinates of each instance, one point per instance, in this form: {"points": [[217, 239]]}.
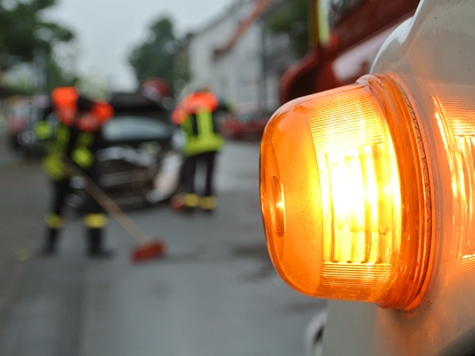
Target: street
{"points": [[214, 293]]}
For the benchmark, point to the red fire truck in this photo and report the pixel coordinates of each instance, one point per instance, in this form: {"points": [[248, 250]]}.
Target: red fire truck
{"points": [[368, 190], [345, 37]]}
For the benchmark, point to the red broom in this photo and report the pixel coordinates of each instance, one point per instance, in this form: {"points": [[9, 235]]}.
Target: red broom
{"points": [[145, 249]]}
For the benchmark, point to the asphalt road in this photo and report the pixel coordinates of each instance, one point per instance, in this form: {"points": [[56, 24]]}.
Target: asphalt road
{"points": [[214, 293]]}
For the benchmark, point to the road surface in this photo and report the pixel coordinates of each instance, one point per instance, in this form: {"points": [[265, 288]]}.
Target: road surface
{"points": [[214, 293]]}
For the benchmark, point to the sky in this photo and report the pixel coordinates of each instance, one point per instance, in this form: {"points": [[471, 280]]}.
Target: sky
{"points": [[107, 30]]}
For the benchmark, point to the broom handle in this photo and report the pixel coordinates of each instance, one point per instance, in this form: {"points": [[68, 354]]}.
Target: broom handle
{"points": [[117, 214], [111, 207]]}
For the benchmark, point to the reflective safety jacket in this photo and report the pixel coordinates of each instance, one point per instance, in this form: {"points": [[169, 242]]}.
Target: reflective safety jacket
{"points": [[196, 114], [77, 135], [67, 104]]}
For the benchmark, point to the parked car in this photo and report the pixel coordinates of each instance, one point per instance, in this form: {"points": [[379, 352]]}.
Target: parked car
{"points": [[140, 163], [22, 113], [244, 125], [17, 119]]}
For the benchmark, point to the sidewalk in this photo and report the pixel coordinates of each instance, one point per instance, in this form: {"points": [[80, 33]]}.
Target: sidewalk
{"points": [[19, 234], [7, 157]]}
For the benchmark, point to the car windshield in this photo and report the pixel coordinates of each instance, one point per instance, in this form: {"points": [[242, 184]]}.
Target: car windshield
{"points": [[247, 117], [135, 127]]}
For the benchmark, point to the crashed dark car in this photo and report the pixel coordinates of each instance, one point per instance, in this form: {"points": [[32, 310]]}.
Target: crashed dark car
{"points": [[140, 163]]}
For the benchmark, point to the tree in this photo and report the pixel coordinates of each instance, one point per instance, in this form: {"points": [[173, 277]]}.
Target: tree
{"points": [[57, 76], [155, 56], [25, 39], [293, 21], [23, 34]]}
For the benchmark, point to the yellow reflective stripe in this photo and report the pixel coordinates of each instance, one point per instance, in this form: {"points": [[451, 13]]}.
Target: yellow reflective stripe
{"points": [[195, 145], [208, 203], [206, 140], [186, 126], [62, 137], [43, 130], [191, 200], [95, 221], [85, 139], [83, 157], [53, 166], [54, 221], [205, 123]]}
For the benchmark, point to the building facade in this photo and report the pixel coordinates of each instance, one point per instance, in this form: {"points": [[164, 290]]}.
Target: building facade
{"points": [[239, 58]]}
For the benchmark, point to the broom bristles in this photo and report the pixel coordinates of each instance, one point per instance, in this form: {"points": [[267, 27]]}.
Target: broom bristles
{"points": [[149, 251]]}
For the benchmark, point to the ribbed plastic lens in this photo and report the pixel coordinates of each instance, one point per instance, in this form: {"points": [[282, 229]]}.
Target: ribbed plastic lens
{"points": [[359, 180], [332, 196]]}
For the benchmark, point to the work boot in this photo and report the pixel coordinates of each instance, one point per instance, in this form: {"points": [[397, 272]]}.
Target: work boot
{"points": [[96, 249], [51, 241], [191, 202], [208, 204]]}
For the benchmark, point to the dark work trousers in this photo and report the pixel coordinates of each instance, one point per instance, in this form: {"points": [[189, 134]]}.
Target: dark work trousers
{"points": [[59, 192], [195, 163], [62, 188]]}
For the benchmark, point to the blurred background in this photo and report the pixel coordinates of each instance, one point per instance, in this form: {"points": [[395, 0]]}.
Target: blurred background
{"points": [[215, 291], [50, 43]]}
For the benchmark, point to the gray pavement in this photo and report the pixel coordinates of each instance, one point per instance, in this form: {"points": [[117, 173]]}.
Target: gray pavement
{"points": [[21, 209], [214, 293]]}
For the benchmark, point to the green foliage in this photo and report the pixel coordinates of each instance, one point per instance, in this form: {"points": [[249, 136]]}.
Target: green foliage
{"points": [[181, 70], [57, 76], [293, 20], [23, 33], [155, 56]]}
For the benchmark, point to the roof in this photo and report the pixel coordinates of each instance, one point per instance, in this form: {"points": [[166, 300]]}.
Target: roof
{"points": [[259, 8]]}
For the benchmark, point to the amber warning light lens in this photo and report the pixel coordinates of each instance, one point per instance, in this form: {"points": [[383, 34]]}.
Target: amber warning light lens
{"points": [[344, 195]]}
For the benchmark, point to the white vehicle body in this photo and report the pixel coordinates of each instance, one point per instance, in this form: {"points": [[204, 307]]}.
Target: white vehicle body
{"points": [[432, 58], [406, 288]]}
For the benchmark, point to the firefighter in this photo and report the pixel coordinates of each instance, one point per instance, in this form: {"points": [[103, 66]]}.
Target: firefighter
{"points": [[196, 114], [76, 139]]}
